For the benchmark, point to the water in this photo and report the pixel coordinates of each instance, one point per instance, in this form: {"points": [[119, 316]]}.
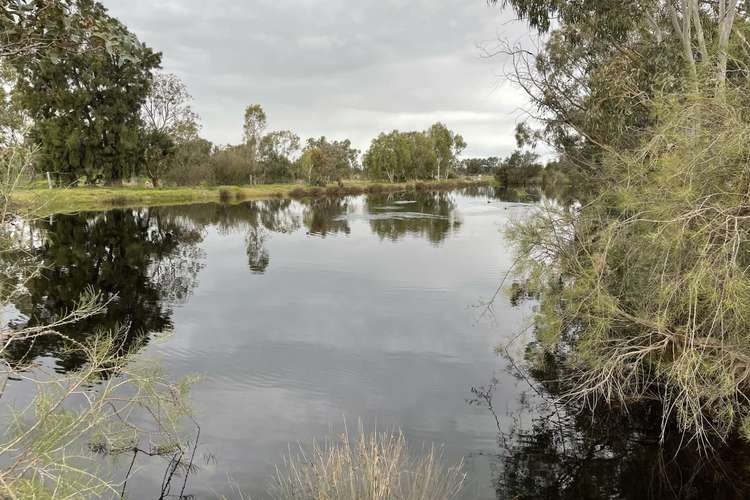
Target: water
{"points": [[302, 317], [306, 318]]}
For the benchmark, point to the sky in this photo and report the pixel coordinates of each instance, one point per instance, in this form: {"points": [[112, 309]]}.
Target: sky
{"points": [[338, 68]]}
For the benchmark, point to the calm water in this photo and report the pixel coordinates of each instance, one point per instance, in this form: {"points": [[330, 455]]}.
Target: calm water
{"points": [[302, 317]]}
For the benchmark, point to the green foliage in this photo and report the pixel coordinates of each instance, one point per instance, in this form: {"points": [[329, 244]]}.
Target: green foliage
{"points": [[253, 127], [403, 156], [323, 161], [276, 153], [231, 165], [85, 105], [112, 406], [448, 146], [158, 154], [170, 135], [646, 287], [108, 404], [596, 77], [191, 163], [521, 168], [479, 166], [14, 122]]}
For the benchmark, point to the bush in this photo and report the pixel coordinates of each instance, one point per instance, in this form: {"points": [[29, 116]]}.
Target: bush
{"points": [[225, 195], [195, 174], [375, 467], [230, 167], [646, 288]]}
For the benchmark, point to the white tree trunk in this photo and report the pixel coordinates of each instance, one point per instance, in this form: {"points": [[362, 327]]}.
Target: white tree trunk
{"points": [[727, 11]]}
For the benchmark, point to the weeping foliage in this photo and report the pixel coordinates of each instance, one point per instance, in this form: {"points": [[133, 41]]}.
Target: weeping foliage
{"points": [[646, 288]]}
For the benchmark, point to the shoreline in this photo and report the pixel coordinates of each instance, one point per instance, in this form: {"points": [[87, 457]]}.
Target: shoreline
{"points": [[82, 199]]}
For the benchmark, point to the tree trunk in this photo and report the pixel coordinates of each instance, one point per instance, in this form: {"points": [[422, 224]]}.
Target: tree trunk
{"points": [[699, 33], [727, 11], [684, 32]]}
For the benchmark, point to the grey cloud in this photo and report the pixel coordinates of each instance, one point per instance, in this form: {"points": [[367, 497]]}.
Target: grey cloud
{"points": [[335, 68]]}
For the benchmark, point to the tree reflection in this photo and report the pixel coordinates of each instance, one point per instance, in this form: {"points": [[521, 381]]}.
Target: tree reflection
{"points": [[145, 261], [429, 215], [326, 216], [256, 219], [257, 254], [564, 194], [573, 452], [140, 261]]}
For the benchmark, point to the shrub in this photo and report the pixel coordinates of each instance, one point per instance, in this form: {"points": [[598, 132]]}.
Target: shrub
{"points": [[231, 167], [195, 174], [646, 288], [225, 195], [375, 467]]}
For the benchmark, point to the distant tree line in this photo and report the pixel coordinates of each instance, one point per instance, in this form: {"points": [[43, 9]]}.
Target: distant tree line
{"points": [[99, 111], [401, 156]]}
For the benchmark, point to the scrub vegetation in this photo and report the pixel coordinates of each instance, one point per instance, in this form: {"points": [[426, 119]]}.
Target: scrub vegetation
{"points": [[644, 283]]}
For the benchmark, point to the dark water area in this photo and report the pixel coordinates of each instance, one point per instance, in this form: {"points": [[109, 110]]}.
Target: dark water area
{"points": [[302, 317]]}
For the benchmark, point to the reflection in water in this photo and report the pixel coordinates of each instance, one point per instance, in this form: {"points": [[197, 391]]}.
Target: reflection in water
{"points": [[256, 219], [146, 261], [553, 451], [342, 323], [140, 261], [428, 215], [326, 216]]}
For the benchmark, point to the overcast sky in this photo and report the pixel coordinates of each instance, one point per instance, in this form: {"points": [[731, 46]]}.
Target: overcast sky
{"points": [[337, 68]]}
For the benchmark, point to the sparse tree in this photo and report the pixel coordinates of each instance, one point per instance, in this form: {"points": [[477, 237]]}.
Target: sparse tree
{"points": [[167, 108], [254, 124], [170, 124], [277, 154]]}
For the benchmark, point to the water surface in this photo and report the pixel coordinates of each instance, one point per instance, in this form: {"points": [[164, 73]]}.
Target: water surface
{"points": [[304, 318], [301, 317]]}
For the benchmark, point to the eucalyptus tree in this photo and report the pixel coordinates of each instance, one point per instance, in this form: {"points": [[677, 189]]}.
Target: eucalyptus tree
{"points": [[169, 124], [277, 153], [255, 122], [603, 64], [167, 108], [479, 166], [401, 156], [323, 161], [448, 146]]}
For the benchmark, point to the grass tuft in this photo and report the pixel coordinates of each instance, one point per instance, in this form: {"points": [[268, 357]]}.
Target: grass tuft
{"points": [[374, 467]]}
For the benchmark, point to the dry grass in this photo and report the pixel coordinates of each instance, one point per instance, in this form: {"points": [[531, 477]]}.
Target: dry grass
{"points": [[375, 467]]}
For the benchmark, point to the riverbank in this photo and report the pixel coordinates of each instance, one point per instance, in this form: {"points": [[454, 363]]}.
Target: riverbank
{"points": [[79, 199]]}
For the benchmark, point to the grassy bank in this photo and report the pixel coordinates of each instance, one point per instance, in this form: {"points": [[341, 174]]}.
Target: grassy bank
{"points": [[102, 198]]}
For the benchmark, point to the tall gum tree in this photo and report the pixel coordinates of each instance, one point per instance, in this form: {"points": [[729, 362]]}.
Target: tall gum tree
{"points": [[602, 63]]}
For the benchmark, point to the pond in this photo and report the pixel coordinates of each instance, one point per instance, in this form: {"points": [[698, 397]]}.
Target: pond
{"points": [[306, 317]]}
